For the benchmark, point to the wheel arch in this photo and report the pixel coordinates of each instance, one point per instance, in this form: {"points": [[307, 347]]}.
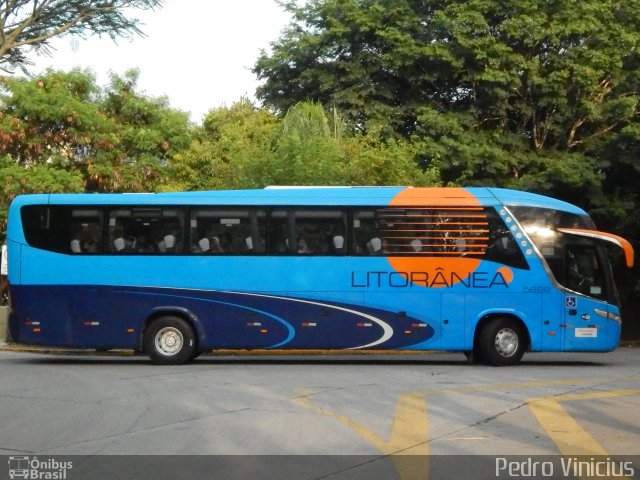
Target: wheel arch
{"points": [[488, 317], [183, 313]]}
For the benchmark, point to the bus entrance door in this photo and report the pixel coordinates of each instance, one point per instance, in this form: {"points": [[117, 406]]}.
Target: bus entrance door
{"points": [[584, 275], [583, 326]]}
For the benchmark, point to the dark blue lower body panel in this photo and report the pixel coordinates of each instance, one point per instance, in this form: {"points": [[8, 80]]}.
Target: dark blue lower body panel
{"points": [[114, 317]]}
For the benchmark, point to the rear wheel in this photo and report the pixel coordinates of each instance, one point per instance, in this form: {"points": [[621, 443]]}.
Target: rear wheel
{"points": [[502, 341], [170, 340], [473, 357]]}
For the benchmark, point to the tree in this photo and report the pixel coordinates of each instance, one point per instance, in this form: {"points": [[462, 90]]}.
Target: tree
{"points": [[522, 93], [226, 150], [343, 54], [243, 146], [31, 24], [556, 73], [148, 133], [15, 180], [61, 132], [525, 93]]}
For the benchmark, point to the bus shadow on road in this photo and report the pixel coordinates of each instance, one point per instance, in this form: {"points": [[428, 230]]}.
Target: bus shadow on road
{"points": [[439, 360]]}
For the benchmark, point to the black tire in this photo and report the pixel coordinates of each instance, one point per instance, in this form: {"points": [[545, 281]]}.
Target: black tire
{"points": [[502, 342], [170, 341], [473, 356]]}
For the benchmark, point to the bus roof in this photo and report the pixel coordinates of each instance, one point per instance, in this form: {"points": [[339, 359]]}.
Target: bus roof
{"points": [[312, 196]]}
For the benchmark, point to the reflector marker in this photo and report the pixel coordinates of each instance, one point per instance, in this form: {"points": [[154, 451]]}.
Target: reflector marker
{"points": [[254, 324], [419, 325], [91, 324], [309, 324], [32, 323]]}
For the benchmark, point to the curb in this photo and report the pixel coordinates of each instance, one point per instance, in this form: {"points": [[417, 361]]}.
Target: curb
{"points": [[14, 347]]}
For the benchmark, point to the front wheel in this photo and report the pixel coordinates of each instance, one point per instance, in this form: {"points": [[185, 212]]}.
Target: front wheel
{"points": [[170, 341], [502, 342]]}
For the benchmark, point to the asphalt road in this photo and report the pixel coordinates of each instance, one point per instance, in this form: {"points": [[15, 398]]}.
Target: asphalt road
{"points": [[433, 404]]}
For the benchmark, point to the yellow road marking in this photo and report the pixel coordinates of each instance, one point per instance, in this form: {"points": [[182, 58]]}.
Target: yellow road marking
{"points": [[566, 433], [536, 383], [410, 428], [563, 429], [567, 397], [407, 446]]}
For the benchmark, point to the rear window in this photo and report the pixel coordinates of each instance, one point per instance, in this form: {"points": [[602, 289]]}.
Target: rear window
{"points": [[63, 229]]}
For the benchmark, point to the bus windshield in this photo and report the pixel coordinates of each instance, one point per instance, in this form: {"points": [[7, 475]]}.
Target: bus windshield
{"points": [[579, 264]]}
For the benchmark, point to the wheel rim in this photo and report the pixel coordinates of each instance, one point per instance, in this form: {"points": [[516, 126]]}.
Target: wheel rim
{"points": [[507, 342], [169, 341]]}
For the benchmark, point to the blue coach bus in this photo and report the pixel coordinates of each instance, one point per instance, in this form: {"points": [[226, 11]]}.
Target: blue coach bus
{"points": [[490, 272]]}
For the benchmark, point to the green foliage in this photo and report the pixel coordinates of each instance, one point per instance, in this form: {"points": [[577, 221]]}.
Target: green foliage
{"points": [[524, 93], [31, 24], [37, 178], [61, 132], [227, 152], [247, 147], [116, 138], [342, 54]]}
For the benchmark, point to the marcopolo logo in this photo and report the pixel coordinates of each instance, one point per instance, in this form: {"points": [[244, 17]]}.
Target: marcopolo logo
{"points": [[32, 468]]}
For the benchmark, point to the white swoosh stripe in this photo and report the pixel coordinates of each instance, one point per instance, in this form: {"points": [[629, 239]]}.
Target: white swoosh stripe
{"points": [[386, 328]]}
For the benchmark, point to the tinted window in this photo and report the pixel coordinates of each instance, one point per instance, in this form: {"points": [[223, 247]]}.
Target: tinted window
{"points": [[576, 263], [584, 273], [63, 229], [307, 231], [436, 232], [221, 231], [146, 230], [502, 247], [86, 230], [546, 218]]}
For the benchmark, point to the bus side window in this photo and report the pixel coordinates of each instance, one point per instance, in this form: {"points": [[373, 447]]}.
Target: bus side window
{"points": [[63, 229], [145, 230], [282, 232], [503, 247], [86, 231], [308, 231], [366, 240], [120, 239], [228, 230], [583, 271]]}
